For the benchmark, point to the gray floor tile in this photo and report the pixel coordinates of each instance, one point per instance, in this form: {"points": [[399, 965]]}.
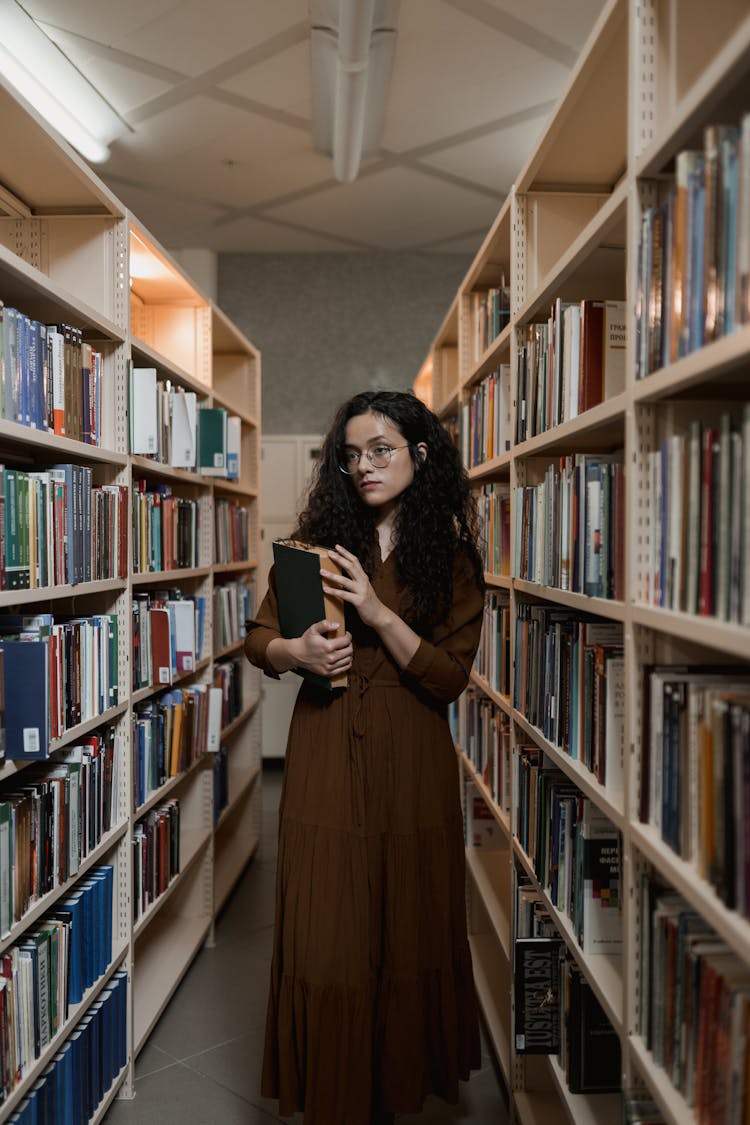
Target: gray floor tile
{"points": [[237, 1067], [181, 1096], [151, 1059]]}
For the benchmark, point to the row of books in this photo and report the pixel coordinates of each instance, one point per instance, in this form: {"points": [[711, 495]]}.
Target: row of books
{"points": [[81, 1073], [490, 314], [492, 661], [47, 972], [570, 683], [156, 854], [493, 505], [694, 1007], [570, 528], [694, 252], [569, 364], [557, 1012], [699, 493], [56, 526], [171, 733], [487, 744], [166, 529], [52, 818], [228, 678], [234, 604], [167, 636], [170, 425], [50, 379], [57, 672], [574, 851], [695, 783], [484, 421], [231, 526]]}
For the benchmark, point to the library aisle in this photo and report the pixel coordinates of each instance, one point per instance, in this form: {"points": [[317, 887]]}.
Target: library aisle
{"points": [[202, 1061]]}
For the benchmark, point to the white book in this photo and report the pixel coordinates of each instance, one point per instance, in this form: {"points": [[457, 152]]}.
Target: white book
{"points": [[143, 413], [614, 728], [234, 448], [184, 429], [615, 336], [602, 883], [213, 740], [182, 613]]}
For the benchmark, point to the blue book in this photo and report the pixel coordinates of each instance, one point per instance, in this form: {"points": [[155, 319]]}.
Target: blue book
{"points": [[77, 1040], [120, 980]]}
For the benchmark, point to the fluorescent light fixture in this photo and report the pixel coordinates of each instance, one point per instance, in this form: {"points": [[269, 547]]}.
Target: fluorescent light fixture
{"points": [[54, 87], [352, 46]]}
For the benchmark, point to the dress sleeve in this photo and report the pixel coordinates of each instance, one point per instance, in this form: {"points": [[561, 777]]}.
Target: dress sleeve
{"points": [[262, 629], [441, 666]]}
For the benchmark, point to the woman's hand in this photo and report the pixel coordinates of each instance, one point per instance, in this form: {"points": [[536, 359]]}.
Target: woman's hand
{"points": [[317, 652], [354, 586]]}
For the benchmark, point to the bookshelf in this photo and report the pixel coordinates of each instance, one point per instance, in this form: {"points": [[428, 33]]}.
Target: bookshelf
{"points": [[71, 254], [653, 75]]}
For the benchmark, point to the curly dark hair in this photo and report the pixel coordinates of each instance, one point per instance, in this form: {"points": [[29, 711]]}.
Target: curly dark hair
{"points": [[436, 514]]}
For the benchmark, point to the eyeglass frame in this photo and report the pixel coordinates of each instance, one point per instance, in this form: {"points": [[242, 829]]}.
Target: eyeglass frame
{"points": [[368, 453]]}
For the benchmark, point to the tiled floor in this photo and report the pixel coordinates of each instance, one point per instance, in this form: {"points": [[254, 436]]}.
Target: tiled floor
{"points": [[202, 1061]]}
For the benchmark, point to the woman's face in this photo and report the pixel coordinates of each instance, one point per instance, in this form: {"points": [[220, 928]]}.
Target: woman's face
{"points": [[379, 487]]}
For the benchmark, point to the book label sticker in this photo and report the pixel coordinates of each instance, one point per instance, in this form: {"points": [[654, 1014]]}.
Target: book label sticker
{"points": [[188, 662], [218, 460], [163, 675], [31, 740]]}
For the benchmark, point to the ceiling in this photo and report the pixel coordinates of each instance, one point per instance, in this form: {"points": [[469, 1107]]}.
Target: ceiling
{"points": [[216, 95]]}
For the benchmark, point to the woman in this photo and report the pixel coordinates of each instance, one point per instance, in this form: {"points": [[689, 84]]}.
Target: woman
{"points": [[372, 1003]]}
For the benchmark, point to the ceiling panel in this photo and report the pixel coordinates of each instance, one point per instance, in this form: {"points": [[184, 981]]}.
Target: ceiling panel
{"points": [[492, 160], [393, 209], [195, 36], [438, 90], [182, 223], [568, 22], [104, 22], [123, 87], [282, 82], [256, 236]]}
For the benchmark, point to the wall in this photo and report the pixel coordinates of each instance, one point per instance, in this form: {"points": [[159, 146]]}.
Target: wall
{"points": [[330, 325]]}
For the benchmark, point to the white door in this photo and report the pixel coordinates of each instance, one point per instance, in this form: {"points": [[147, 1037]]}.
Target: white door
{"points": [[287, 461]]}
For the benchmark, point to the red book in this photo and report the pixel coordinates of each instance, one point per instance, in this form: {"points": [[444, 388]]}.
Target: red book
{"points": [[161, 649], [591, 372]]}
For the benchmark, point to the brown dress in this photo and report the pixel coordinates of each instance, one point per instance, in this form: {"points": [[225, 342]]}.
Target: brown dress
{"points": [[372, 1004]]}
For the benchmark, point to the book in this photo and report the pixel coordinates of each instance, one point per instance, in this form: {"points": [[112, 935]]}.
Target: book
{"points": [[301, 600], [536, 982], [143, 415], [212, 441]]}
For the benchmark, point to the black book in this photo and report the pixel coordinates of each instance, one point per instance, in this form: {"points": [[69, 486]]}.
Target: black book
{"points": [[299, 591], [593, 1045], [537, 984]]}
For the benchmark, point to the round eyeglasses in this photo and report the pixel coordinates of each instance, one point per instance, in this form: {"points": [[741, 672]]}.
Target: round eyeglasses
{"points": [[379, 457]]}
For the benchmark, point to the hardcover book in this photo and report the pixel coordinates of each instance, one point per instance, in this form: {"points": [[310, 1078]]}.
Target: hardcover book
{"points": [[537, 1007], [302, 602]]}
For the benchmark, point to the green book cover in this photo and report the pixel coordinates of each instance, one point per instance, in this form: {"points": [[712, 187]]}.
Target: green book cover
{"points": [[212, 440], [299, 591]]}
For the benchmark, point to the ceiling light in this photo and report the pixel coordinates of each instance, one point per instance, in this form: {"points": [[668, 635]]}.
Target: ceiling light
{"points": [[54, 87], [352, 46]]}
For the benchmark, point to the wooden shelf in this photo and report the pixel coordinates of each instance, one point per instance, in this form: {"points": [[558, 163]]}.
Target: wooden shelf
{"points": [[717, 370], [490, 468], [242, 788], [599, 429], [734, 640], [496, 353], [600, 607], [672, 1104], [492, 981], [67, 246], [240, 720], [603, 971], [501, 581], [501, 701], [610, 804], [585, 1109], [477, 781], [491, 871], [233, 649]]}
